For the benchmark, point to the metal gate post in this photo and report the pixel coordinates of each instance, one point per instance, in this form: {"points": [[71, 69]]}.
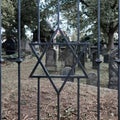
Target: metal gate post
{"points": [[38, 80], [98, 61], [118, 61], [0, 64], [19, 60], [78, 79]]}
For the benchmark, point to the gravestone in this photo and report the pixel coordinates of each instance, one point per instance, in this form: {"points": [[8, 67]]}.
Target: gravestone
{"points": [[69, 57], [113, 70], [81, 55], [50, 62], [82, 58], [106, 58], [92, 79], [61, 56], [105, 55], [10, 46], [94, 56], [65, 71], [27, 48]]}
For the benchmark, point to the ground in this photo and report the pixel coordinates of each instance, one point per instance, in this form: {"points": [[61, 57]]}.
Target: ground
{"points": [[48, 104]]}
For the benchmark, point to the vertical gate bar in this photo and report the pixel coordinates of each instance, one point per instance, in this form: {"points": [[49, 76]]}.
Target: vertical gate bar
{"points": [[19, 29], [78, 98], [38, 100], [58, 14], [78, 20], [119, 60], [0, 63], [58, 105], [58, 93], [98, 69], [38, 82], [78, 79], [19, 58], [38, 22], [99, 29], [19, 90]]}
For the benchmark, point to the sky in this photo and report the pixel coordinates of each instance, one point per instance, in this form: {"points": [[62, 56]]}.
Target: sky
{"points": [[2, 29]]}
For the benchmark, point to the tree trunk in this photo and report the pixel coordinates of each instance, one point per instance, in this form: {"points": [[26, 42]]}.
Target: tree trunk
{"points": [[110, 45]]}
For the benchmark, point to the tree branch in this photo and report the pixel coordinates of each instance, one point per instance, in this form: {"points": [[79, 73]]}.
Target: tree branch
{"points": [[114, 5], [83, 2], [116, 27]]}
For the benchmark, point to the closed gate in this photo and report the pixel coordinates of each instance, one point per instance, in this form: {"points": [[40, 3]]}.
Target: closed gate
{"points": [[67, 73]]}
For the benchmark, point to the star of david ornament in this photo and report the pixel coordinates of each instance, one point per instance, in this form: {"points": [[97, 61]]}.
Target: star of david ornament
{"points": [[49, 60]]}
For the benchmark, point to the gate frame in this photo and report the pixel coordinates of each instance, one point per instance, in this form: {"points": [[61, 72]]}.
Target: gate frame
{"points": [[19, 60]]}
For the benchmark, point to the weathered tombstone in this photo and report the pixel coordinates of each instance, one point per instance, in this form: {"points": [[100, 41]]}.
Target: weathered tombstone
{"points": [[61, 55], [10, 46], [106, 58], [65, 71], [92, 79], [82, 51], [94, 56], [82, 58], [50, 62], [69, 57], [113, 70], [81, 55], [105, 55], [27, 48]]}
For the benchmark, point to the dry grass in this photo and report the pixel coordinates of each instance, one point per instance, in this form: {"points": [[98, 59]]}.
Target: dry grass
{"points": [[68, 97]]}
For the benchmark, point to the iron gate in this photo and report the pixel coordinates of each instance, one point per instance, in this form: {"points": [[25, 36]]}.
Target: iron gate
{"points": [[47, 74]]}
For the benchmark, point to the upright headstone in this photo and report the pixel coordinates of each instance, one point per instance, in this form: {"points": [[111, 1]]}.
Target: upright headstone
{"points": [[50, 62], [94, 56], [10, 46], [106, 58], [113, 70], [61, 55], [81, 56], [105, 54], [69, 57], [92, 79], [67, 71]]}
